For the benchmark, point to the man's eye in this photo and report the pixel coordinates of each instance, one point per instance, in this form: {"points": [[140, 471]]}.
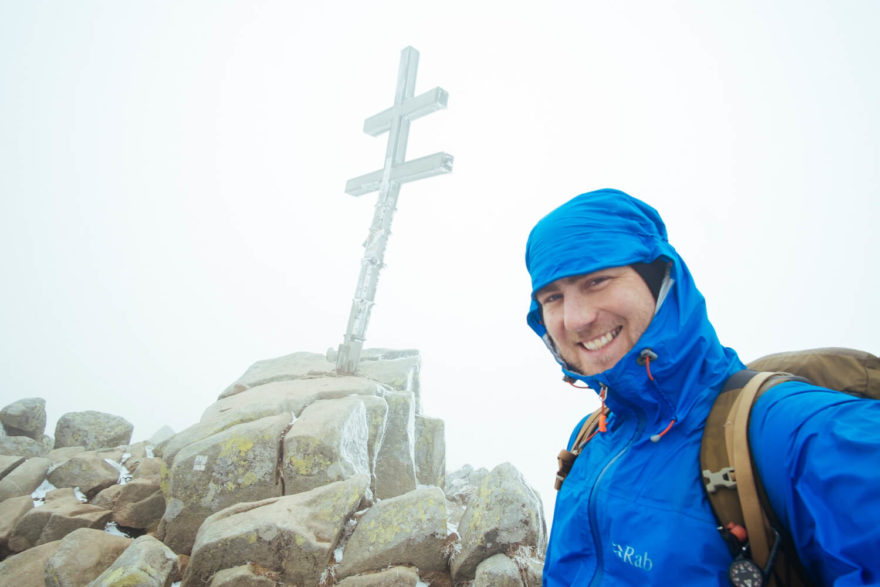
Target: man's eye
{"points": [[550, 298]]}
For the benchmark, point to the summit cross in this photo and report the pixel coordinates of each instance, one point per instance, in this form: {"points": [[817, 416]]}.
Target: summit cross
{"points": [[387, 182]]}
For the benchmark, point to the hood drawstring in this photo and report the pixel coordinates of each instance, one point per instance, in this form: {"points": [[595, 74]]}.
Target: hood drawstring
{"points": [[603, 424], [645, 358], [657, 437], [603, 411]]}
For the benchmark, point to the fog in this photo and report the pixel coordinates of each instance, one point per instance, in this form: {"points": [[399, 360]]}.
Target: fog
{"points": [[172, 200]]}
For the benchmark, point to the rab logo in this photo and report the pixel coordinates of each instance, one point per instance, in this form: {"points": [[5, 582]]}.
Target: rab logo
{"points": [[628, 555]]}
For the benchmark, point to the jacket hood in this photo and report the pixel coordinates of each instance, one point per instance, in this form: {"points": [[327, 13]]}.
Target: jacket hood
{"points": [[608, 228]]}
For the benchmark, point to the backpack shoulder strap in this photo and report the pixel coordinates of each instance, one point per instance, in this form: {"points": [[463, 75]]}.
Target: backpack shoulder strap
{"points": [[566, 457], [728, 474]]}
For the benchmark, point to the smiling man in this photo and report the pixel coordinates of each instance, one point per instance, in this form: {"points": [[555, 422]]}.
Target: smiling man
{"points": [[618, 309]]}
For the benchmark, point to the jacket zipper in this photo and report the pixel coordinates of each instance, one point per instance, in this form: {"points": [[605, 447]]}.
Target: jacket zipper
{"points": [[594, 530]]}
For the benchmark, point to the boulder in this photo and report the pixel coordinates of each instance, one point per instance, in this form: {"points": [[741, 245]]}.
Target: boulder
{"points": [[59, 455], [22, 446], [249, 575], [93, 430], [26, 417], [150, 469], [139, 503], [234, 466], [293, 536], [398, 371], [81, 556], [293, 396], [145, 563], [8, 463], [498, 571], [161, 435], [460, 485], [395, 463], [327, 443], [504, 513], [393, 577], [406, 530], [377, 412], [60, 514], [26, 569], [11, 511], [271, 399], [24, 478], [88, 471], [430, 451], [294, 366]]}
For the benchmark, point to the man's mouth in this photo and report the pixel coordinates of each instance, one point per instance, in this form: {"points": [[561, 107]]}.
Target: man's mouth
{"points": [[600, 341]]}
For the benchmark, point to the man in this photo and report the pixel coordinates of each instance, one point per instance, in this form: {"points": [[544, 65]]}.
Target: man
{"points": [[618, 308]]}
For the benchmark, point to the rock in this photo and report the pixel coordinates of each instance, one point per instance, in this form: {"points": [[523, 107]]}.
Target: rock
{"points": [[8, 463], [93, 430], [82, 556], [61, 514], [135, 454], [11, 511], [26, 569], [139, 503], [327, 443], [531, 567], [25, 478], [405, 530], [279, 397], [292, 535], [88, 471], [502, 514], [462, 483], [245, 576], [377, 413], [294, 366], [400, 373], [150, 469], [234, 466], [145, 563], [161, 435], [395, 463], [59, 455], [26, 417], [271, 399], [22, 446], [430, 451], [393, 577], [498, 571]]}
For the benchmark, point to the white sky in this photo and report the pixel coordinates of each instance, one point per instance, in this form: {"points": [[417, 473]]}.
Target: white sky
{"points": [[172, 202]]}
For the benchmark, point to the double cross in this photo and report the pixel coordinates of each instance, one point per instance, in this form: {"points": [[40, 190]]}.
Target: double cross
{"points": [[387, 181]]}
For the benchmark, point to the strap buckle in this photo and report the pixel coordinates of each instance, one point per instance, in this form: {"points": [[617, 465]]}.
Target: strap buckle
{"points": [[714, 480]]}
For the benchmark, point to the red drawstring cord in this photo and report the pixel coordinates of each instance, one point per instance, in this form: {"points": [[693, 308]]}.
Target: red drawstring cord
{"points": [[603, 422], [657, 437], [648, 367]]}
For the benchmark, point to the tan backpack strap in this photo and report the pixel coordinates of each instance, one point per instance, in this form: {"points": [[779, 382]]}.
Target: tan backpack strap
{"points": [[757, 525], [566, 457]]}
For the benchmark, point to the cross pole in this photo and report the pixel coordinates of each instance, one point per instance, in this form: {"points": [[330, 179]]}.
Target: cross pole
{"points": [[387, 181]]}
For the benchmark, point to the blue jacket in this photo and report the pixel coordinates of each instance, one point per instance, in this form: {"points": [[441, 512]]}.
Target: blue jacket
{"points": [[633, 510]]}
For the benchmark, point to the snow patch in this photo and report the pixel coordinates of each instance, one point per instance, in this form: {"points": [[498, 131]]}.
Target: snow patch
{"points": [[39, 494]]}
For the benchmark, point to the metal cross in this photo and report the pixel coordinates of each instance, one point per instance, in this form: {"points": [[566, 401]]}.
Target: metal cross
{"points": [[387, 182]]}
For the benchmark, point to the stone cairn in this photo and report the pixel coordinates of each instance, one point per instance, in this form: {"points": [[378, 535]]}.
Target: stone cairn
{"points": [[294, 476]]}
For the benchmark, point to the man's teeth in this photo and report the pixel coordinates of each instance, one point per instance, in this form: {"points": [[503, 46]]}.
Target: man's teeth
{"points": [[598, 343]]}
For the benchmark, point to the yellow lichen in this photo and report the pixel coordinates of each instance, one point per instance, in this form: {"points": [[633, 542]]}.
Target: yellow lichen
{"points": [[237, 446]]}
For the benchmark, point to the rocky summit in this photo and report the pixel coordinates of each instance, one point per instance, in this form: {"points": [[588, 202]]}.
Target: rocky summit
{"points": [[294, 476]]}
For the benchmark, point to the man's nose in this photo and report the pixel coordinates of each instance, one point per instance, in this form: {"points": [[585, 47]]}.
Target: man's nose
{"points": [[579, 314]]}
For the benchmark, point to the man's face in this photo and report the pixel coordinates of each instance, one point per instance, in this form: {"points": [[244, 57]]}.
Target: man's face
{"points": [[595, 319]]}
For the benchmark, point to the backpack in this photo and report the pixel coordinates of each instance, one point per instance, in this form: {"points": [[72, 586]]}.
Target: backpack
{"points": [[763, 551]]}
